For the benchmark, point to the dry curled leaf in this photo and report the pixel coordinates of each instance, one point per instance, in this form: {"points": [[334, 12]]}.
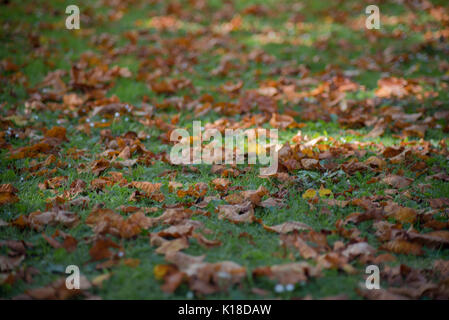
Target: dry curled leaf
{"points": [[221, 184], [101, 249], [58, 290], [168, 246], [207, 278], [147, 187], [358, 249], [237, 213], [8, 194], [38, 220]]}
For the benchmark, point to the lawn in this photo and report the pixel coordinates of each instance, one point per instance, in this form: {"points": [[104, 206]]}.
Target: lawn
{"points": [[85, 174]]}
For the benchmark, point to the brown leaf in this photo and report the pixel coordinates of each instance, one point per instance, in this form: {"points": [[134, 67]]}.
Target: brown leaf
{"points": [[398, 182], [402, 247], [16, 247], [271, 202], [392, 151], [260, 292], [70, 243], [148, 187], [98, 166], [101, 183], [58, 290], [357, 249], [221, 184], [207, 278], [203, 241], [57, 132], [10, 263], [370, 214], [51, 241], [306, 251], [377, 131], [238, 213], [107, 221], [402, 214], [151, 190], [439, 203], [8, 194], [287, 227], [310, 164], [182, 230], [335, 260], [334, 202], [125, 154], [439, 176], [282, 121], [100, 249], [376, 162], [171, 246], [289, 273], [173, 281], [379, 294], [442, 266], [391, 87], [418, 130], [255, 196], [234, 198], [173, 216], [432, 239], [37, 220]]}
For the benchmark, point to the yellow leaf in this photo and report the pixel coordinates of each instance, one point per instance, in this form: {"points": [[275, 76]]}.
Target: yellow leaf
{"points": [[325, 192], [309, 194]]}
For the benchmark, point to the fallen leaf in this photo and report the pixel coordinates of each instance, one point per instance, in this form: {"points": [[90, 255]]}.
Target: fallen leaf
{"points": [[172, 246], [357, 249], [237, 213], [402, 247], [287, 227], [100, 249], [10, 263], [397, 182], [221, 184], [290, 273], [8, 194], [309, 194], [324, 192]]}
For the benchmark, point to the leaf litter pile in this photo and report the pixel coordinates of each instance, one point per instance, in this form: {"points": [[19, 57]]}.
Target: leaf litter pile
{"points": [[86, 177]]}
